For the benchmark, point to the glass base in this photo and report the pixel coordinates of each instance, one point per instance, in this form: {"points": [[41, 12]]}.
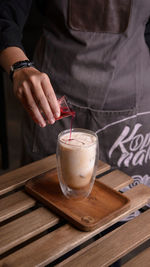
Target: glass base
{"points": [[76, 194]]}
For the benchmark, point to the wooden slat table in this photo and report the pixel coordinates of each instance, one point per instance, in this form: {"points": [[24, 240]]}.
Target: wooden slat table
{"points": [[31, 235]]}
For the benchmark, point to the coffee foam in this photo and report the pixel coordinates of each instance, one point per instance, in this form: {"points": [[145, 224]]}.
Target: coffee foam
{"points": [[78, 139]]}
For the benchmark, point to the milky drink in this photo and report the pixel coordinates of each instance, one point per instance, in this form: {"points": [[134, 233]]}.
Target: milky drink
{"points": [[77, 158]]}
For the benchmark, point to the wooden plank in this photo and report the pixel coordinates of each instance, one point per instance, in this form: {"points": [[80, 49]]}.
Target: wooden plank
{"points": [[65, 238], [25, 227], [14, 204], [18, 177], [14, 179], [116, 179], [105, 251], [142, 259], [19, 201], [102, 167]]}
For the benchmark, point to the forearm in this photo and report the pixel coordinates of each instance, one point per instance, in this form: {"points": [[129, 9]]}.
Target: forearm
{"points": [[9, 56], [31, 87]]}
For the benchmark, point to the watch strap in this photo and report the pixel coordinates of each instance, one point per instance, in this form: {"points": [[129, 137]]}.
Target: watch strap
{"points": [[20, 65]]}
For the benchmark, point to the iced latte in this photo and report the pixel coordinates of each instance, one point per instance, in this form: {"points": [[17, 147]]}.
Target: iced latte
{"points": [[77, 159]]}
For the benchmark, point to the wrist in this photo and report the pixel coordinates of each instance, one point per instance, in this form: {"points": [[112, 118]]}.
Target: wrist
{"points": [[20, 65]]}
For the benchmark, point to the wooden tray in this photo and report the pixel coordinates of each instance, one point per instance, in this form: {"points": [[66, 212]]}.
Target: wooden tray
{"points": [[103, 204]]}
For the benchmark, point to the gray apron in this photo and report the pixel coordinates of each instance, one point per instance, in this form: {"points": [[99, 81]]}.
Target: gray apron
{"points": [[95, 53]]}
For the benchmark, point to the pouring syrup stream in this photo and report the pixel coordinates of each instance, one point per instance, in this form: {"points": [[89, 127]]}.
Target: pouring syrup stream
{"points": [[65, 113]]}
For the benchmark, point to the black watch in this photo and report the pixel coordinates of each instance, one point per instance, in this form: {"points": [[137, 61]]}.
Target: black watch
{"points": [[20, 65]]}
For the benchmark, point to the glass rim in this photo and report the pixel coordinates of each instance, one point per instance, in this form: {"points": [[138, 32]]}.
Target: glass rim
{"points": [[82, 130]]}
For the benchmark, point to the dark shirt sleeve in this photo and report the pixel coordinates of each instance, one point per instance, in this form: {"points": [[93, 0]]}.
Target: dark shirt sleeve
{"points": [[13, 16]]}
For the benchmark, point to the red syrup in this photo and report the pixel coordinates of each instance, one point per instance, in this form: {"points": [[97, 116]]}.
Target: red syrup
{"points": [[65, 113], [73, 115]]}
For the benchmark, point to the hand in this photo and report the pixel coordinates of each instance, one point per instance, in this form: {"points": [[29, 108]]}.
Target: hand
{"points": [[34, 90]]}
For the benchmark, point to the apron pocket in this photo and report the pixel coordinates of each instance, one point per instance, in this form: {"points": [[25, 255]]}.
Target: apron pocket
{"points": [[110, 16]]}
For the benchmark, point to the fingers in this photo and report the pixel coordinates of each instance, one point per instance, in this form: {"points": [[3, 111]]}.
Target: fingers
{"points": [[27, 100], [50, 96], [43, 105], [38, 98]]}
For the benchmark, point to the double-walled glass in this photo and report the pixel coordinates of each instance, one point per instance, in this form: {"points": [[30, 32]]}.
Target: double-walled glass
{"points": [[77, 159]]}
